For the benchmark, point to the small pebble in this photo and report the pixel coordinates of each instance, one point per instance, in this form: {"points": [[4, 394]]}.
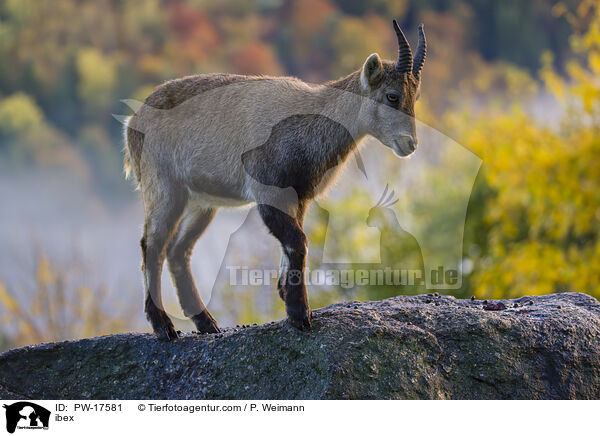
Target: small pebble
{"points": [[472, 297], [494, 306], [485, 302], [530, 303]]}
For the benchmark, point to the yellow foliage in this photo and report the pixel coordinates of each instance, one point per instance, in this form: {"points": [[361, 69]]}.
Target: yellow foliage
{"points": [[58, 309], [353, 41], [45, 275], [7, 299], [18, 114], [544, 213], [98, 75]]}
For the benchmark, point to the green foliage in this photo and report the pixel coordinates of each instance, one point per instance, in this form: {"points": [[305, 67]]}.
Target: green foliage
{"points": [[97, 77], [19, 114], [353, 40]]}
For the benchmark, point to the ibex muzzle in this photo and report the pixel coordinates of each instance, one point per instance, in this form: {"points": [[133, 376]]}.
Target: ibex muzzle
{"points": [[213, 140]]}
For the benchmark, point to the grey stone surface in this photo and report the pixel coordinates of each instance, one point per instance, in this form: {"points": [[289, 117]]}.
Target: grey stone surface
{"points": [[427, 346]]}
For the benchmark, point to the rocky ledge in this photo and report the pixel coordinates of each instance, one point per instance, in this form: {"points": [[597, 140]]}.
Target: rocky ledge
{"points": [[421, 347]]}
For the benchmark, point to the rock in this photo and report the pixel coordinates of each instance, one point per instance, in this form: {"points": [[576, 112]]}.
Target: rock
{"points": [[396, 348], [5, 394], [495, 306]]}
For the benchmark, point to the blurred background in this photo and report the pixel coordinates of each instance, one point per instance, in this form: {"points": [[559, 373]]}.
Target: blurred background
{"points": [[517, 83]]}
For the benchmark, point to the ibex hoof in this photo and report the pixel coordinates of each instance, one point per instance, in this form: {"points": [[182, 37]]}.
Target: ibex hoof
{"points": [[205, 323], [301, 323], [161, 324], [166, 332]]}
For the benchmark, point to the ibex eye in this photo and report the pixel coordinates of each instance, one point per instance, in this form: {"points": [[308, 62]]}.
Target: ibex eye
{"points": [[392, 98]]}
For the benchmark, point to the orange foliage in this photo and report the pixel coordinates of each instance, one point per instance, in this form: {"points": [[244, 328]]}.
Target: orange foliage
{"points": [[308, 30], [256, 58], [197, 35], [309, 16]]}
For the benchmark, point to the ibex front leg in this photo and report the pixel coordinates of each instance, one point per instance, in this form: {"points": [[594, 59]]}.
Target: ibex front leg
{"points": [[288, 230]]}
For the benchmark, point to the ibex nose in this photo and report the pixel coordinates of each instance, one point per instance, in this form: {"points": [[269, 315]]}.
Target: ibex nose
{"points": [[412, 143], [405, 145]]}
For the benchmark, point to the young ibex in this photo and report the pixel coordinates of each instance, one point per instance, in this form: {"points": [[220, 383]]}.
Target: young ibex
{"points": [[214, 140]]}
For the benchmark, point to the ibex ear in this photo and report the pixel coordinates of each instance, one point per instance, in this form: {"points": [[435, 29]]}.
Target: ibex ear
{"points": [[372, 72]]}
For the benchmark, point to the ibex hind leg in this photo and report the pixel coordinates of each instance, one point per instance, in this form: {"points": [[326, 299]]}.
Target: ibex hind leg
{"points": [[164, 205], [195, 220]]}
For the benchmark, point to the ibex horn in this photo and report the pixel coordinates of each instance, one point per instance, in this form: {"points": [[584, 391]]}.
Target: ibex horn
{"points": [[404, 52], [421, 53]]}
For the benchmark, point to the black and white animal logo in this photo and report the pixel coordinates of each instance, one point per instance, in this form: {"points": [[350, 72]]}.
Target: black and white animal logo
{"points": [[26, 415]]}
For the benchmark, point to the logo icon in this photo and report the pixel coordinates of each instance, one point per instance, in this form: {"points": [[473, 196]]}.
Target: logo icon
{"points": [[26, 415]]}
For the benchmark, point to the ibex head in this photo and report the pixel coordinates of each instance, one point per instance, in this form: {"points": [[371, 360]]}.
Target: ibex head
{"points": [[392, 90]]}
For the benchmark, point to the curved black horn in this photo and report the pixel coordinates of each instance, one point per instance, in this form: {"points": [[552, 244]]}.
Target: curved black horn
{"points": [[404, 51], [421, 53]]}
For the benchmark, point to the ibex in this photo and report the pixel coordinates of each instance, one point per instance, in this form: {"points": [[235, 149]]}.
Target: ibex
{"points": [[213, 140]]}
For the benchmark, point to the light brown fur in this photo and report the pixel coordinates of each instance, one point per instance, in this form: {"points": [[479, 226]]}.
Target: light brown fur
{"points": [[212, 140]]}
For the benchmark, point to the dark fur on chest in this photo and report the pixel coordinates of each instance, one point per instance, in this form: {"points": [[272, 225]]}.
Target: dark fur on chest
{"points": [[298, 154]]}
